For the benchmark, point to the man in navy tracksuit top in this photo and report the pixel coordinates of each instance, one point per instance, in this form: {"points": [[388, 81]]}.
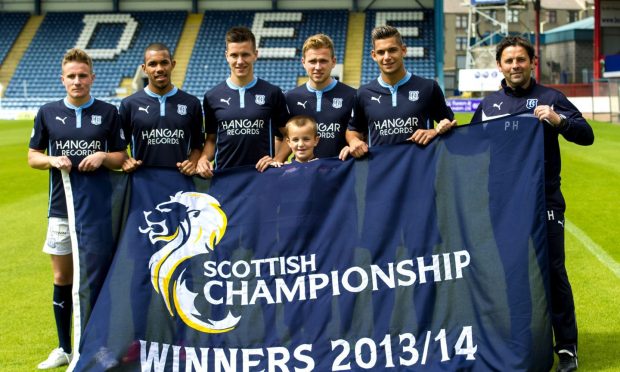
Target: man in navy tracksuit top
{"points": [[515, 59]]}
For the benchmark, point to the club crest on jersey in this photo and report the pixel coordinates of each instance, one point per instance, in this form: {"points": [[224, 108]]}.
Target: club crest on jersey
{"points": [[414, 95], [531, 103], [337, 103], [95, 119], [182, 109], [260, 99]]}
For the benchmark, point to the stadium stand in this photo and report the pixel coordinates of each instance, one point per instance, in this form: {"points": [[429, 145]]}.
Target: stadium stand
{"points": [[280, 37], [12, 24], [116, 41], [417, 29]]}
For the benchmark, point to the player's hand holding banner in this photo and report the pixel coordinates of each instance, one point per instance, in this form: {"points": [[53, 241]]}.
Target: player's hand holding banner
{"points": [[417, 258]]}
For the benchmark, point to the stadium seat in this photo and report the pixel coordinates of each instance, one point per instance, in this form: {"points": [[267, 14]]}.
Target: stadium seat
{"points": [[12, 24], [417, 29], [38, 71]]}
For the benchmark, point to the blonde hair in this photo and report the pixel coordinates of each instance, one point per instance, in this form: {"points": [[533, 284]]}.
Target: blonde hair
{"points": [[318, 41], [77, 55], [301, 121]]}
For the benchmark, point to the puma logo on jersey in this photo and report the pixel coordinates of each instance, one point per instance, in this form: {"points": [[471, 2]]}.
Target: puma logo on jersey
{"points": [[378, 99], [60, 305], [61, 119], [227, 101], [302, 104], [145, 109], [498, 105], [561, 223]]}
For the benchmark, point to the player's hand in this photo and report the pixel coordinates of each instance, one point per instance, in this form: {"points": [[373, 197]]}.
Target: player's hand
{"points": [[358, 148], [60, 162], [423, 136], [344, 153], [276, 164], [204, 168], [546, 113], [264, 163], [445, 125], [187, 167], [131, 165], [92, 162]]}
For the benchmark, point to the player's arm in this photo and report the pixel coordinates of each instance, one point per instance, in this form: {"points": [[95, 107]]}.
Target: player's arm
{"points": [[130, 164], [423, 136], [567, 119], [281, 115], [38, 159], [197, 136], [357, 146], [344, 153], [188, 166], [441, 113], [282, 150], [355, 130], [204, 166], [110, 160]]}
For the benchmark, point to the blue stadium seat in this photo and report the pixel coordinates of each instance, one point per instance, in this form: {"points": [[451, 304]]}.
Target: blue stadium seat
{"points": [[417, 28], [38, 71], [12, 25]]}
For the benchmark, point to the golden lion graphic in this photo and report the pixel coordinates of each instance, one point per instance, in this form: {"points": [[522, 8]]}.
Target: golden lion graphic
{"points": [[200, 224]]}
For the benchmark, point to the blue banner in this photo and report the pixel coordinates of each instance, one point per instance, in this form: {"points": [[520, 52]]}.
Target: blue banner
{"points": [[95, 204], [414, 258]]}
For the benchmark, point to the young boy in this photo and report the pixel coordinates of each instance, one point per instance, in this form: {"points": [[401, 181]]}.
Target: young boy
{"points": [[302, 136]]}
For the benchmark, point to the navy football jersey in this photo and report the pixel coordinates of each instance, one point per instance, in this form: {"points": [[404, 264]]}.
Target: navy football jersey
{"points": [[391, 114], [164, 129], [330, 107], [507, 101], [245, 120], [62, 129]]}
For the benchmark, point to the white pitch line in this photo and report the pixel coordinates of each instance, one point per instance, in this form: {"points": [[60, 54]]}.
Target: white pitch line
{"points": [[594, 248]]}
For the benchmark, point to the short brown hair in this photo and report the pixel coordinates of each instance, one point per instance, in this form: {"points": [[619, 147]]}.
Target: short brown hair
{"points": [[386, 32], [77, 55], [301, 121], [514, 41], [157, 47], [240, 34], [318, 41]]}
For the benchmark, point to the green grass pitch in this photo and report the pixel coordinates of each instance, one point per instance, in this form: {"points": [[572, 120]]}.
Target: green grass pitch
{"points": [[591, 185]]}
